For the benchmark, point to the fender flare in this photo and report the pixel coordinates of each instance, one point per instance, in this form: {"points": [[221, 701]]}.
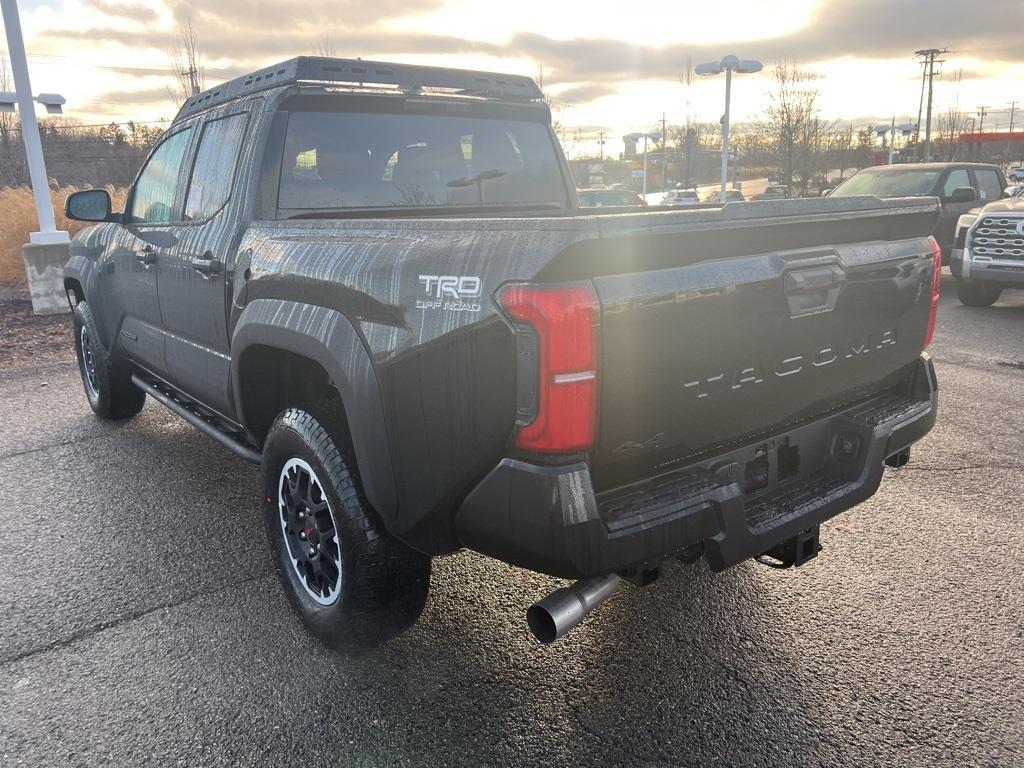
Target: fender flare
{"points": [[328, 338]]}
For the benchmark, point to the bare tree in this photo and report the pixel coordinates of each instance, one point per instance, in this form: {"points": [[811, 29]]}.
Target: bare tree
{"points": [[186, 61], [10, 158], [949, 125], [793, 124], [953, 122]]}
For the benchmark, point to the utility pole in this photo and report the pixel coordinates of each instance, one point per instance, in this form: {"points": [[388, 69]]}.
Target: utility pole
{"points": [[892, 138], [920, 107], [929, 55], [600, 143], [1013, 110], [981, 118], [664, 155]]}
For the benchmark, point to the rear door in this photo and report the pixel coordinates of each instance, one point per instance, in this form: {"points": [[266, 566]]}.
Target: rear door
{"points": [[193, 288], [989, 184]]}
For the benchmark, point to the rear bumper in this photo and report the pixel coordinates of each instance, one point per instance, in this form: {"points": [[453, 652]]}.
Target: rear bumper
{"points": [[549, 519]]}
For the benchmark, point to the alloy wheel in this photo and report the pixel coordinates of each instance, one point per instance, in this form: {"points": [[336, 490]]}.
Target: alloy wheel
{"points": [[310, 531]]}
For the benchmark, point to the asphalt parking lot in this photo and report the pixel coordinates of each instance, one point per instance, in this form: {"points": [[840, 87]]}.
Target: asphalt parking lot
{"points": [[141, 621]]}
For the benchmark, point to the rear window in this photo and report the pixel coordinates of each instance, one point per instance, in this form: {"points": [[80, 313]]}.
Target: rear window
{"points": [[908, 183], [351, 160]]}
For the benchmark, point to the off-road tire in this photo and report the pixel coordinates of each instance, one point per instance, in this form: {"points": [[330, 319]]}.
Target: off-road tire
{"points": [[974, 294], [383, 583], [106, 380]]}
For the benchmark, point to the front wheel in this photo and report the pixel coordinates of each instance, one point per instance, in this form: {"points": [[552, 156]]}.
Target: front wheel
{"points": [[107, 381], [977, 294], [350, 581]]}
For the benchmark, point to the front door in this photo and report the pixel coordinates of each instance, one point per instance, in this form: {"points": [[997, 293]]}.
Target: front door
{"points": [[195, 274], [130, 270]]}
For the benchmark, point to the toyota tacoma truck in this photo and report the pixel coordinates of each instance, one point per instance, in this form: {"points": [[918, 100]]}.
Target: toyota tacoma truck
{"points": [[988, 252], [375, 281]]}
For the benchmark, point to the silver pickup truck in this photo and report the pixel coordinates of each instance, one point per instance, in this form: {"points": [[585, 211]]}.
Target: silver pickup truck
{"points": [[988, 251]]}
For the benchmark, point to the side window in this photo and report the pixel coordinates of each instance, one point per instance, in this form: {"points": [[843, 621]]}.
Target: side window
{"points": [[989, 187], [957, 178], [214, 167], [153, 198]]}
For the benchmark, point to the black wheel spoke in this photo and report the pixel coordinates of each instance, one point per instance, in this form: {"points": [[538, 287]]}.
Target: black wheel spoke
{"points": [[310, 538]]}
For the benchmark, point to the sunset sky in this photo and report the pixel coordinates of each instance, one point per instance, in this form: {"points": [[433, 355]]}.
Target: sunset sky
{"points": [[609, 65]]}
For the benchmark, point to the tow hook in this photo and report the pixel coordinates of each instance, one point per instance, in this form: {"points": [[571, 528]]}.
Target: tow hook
{"points": [[793, 552]]}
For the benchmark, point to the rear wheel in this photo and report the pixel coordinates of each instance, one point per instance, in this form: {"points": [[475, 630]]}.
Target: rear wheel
{"points": [[107, 381], [350, 581], [977, 294]]}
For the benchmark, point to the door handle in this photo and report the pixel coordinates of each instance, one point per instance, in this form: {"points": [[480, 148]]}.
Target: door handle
{"points": [[209, 265], [147, 256], [810, 291]]}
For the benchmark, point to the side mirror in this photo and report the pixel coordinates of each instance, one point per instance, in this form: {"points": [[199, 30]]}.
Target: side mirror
{"points": [[88, 205], [962, 195], [826, 192]]}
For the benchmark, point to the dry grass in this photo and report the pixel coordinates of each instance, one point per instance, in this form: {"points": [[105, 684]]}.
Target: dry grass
{"points": [[18, 218]]}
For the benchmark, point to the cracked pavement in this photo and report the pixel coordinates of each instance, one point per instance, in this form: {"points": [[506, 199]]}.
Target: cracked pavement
{"points": [[141, 621]]}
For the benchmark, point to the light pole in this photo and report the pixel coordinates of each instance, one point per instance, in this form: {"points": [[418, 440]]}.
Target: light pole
{"points": [[728, 64], [645, 137], [903, 128], [48, 233]]}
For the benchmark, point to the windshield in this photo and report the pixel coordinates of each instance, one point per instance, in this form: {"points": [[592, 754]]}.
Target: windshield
{"points": [[346, 160], [908, 183]]}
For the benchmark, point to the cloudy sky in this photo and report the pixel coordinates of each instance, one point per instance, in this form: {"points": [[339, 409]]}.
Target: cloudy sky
{"points": [[609, 65]]}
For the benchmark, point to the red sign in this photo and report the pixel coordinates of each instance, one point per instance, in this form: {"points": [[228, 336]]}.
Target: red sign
{"points": [[985, 138]]}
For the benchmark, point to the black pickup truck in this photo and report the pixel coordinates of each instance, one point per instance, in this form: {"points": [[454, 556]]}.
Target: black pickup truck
{"points": [[376, 281]]}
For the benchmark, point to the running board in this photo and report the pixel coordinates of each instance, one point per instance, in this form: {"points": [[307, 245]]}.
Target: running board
{"points": [[197, 420]]}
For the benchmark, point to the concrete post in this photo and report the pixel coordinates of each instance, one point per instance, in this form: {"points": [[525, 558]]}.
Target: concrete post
{"points": [[44, 265]]}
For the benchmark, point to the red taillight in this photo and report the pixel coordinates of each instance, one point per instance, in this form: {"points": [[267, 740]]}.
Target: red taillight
{"points": [[565, 319], [936, 290]]}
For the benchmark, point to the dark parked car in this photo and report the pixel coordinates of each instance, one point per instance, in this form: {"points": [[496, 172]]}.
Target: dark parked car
{"points": [[609, 198], [773, 192], [959, 187], [388, 297], [731, 196]]}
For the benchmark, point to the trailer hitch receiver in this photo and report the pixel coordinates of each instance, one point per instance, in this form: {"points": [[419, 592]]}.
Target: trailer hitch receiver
{"points": [[793, 552]]}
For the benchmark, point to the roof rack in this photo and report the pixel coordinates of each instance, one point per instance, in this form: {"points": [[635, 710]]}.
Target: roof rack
{"points": [[408, 77]]}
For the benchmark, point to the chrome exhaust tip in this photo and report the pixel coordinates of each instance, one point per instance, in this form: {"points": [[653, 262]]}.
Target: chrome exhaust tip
{"points": [[563, 609]]}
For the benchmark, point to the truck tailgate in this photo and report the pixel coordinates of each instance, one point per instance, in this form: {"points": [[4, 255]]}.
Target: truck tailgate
{"points": [[711, 346]]}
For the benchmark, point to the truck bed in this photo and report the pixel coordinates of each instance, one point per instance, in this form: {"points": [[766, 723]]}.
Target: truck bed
{"points": [[706, 315]]}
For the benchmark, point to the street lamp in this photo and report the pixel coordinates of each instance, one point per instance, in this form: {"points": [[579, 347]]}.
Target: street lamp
{"points": [[22, 97], [634, 137], [728, 64], [904, 129]]}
